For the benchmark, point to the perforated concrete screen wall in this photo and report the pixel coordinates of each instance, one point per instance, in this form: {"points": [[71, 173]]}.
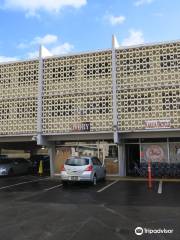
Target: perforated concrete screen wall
{"points": [[148, 85], [78, 89], [18, 97]]}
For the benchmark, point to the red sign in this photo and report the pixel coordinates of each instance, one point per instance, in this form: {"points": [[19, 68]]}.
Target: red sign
{"points": [[157, 124]]}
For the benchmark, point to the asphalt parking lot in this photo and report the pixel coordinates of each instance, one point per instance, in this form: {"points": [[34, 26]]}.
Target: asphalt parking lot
{"points": [[40, 208]]}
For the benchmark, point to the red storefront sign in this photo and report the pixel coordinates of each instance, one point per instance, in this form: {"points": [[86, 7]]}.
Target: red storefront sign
{"points": [[155, 124]]}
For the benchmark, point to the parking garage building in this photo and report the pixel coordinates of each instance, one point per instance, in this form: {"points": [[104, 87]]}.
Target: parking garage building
{"points": [[121, 104]]}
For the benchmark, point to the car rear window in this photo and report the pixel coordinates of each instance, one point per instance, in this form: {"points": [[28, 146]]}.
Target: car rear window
{"points": [[77, 161]]}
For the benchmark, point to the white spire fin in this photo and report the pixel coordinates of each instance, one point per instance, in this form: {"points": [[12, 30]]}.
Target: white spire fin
{"points": [[115, 43], [44, 52]]}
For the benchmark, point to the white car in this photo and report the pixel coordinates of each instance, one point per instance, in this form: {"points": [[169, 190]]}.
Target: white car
{"points": [[88, 169]]}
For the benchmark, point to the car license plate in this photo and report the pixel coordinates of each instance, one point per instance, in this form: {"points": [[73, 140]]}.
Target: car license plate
{"points": [[74, 178]]}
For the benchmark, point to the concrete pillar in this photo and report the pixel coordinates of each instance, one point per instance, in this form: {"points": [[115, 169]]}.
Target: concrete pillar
{"points": [[33, 151], [114, 85], [122, 160], [52, 154]]}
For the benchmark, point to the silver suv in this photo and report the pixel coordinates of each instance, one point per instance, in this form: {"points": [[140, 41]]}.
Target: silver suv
{"points": [[89, 169]]}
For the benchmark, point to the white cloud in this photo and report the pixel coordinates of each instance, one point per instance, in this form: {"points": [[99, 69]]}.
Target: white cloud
{"points": [[62, 49], [47, 39], [55, 46], [57, 50], [142, 2], [7, 59], [34, 54], [31, 7], [115, 20], [134, 38]]}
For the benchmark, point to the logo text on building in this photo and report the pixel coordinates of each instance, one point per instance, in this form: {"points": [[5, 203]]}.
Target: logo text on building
{"points": [[157, 124], [81, 127]]}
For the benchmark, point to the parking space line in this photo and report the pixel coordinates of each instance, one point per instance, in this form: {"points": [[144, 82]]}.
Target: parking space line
{"points": [[160, 187], [22, 176], [109, 185], [21, 183], [48, 189]]}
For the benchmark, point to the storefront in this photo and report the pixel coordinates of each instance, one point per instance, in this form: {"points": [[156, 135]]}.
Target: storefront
{"points": [[106, 151], [163, 153]]}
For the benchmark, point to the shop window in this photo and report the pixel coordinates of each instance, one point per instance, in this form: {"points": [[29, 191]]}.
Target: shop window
{"points": [[174, 149], [155, 152], [113, 152]]}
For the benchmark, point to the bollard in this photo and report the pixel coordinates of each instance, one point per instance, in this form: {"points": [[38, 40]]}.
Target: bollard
{"points": [[149, 175]]}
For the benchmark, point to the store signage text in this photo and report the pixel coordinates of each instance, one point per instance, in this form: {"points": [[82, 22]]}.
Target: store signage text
{"points": [[81, 127], [157, 124]]}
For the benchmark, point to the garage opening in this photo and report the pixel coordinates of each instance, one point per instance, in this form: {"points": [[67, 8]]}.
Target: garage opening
{"points": [[132, 158], [18, 158]]}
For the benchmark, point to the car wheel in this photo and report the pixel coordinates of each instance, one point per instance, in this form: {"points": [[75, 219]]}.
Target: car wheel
{"points": [[94, 181], [11, 172]]}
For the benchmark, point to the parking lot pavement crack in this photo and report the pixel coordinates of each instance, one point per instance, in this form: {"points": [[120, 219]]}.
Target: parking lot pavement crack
{"points": [[114, 230], [80, 228], [114, 212]]}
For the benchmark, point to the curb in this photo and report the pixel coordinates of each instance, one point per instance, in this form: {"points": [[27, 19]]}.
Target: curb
{"points": [[138, 179], [130, 179]]}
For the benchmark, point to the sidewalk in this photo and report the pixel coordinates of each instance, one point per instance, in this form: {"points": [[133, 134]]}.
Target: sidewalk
{"points": [[136, 179], [113, 178]]}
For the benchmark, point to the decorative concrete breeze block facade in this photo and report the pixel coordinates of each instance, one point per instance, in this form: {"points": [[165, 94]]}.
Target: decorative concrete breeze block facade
{"points": [[78, 89]]}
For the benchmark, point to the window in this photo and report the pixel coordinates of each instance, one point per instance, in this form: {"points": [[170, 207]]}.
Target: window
{"points": [[77, 161], [96, 161], [99, 162]]}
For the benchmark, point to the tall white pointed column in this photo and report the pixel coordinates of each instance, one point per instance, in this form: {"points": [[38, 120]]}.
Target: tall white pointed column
{"points": [[114, 84], [43, 52], [40, 95], [117, 140]]}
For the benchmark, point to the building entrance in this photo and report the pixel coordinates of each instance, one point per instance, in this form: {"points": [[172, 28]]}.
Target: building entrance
{"points": [[132, 152]]}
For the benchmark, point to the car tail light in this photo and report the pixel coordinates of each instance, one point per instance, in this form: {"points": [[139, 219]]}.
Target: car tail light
{"points": [[63, 168], [89, 168]]}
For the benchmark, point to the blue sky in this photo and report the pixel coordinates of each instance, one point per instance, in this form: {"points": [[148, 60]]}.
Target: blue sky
{"points": [[65, 26]]}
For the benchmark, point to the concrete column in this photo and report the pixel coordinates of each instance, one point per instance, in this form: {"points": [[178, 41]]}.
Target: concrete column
{"points": [[122, 160], [52, 154], [40, 96], [39, 138], [114, 88]]}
